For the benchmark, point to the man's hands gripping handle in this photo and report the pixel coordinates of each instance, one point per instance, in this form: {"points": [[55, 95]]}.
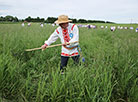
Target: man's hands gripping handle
{"points": [[44, 47]]}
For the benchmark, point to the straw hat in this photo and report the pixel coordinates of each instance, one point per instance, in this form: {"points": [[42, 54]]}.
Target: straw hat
{"points": [[62, 19]]}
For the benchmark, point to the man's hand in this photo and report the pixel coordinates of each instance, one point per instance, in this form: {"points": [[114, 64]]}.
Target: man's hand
{"points": [[66, 43], [44, 47]]}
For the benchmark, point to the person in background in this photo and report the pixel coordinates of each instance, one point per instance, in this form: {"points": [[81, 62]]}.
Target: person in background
{"points": [[112, 28], [23, 24], [137, 29], [29, 24], [42, 25]]}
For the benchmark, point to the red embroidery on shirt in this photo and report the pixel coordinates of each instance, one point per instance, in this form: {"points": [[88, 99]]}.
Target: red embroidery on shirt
{"points": [[66, 35], [72, 26], [74, 54], [57, 31]]}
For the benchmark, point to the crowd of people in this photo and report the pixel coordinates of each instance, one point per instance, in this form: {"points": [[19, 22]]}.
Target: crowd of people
{"points": [[89, 26], [112, 28]]}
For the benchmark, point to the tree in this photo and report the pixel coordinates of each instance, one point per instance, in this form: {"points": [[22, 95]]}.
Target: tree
{"points": [[51, 20], [73, 20], [109, 22], [82, 21], [16, 19], [38, 19], [28, 19], [9, 18], [42, 20], [1, 18]]}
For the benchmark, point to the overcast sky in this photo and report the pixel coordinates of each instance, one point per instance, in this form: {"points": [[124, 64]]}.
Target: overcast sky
{"points": [[119, 11]]}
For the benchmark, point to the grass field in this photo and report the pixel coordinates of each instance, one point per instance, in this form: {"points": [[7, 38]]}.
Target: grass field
{"points": [[109, 74]]}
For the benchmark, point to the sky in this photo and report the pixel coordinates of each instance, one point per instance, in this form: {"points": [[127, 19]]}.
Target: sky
{"points": [[118, 11]]}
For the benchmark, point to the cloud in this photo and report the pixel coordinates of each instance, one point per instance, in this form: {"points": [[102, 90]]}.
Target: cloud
{"points": [[113, 10], [4, 7]]}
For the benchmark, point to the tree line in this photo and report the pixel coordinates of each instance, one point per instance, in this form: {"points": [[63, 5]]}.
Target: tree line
{"points": [[48, 20]]}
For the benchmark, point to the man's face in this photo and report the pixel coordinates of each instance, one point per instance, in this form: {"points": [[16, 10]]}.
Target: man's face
{"points": [[64, 25]]}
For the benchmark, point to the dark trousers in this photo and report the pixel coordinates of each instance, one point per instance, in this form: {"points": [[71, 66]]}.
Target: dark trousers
{"points": [[64, 61]]}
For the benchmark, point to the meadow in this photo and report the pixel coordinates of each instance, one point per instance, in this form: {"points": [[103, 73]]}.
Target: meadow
{"points": [[109, 73]]}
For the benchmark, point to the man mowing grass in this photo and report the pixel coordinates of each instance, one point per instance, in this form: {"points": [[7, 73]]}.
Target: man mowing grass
{"points": [[68, 33]]}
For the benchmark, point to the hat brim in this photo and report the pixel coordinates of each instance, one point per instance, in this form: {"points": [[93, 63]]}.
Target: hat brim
{"points": [[59, 22]]}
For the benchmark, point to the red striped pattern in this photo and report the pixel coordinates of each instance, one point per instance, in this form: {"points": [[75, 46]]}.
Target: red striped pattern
{"points": [[72, 26], [74, 54], [57, 31]]}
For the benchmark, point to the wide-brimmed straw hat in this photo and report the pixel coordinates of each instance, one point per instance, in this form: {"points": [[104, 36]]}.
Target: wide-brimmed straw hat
{"points": [[62, 19]]}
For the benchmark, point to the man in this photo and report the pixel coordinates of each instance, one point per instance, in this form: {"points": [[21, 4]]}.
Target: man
{"points": [[23, 24], [112, 28], [67, 33], [137, 29]]}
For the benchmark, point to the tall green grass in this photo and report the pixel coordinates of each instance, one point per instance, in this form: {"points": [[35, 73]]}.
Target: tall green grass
{"points": [[109, 74]]}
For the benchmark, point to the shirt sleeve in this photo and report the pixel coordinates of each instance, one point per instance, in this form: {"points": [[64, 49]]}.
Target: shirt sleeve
{"points": [[53, 37], [75, 36]]}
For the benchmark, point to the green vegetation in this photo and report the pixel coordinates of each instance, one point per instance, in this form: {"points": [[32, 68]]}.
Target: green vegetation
{"points": [[9, 18], [110, 73]]}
